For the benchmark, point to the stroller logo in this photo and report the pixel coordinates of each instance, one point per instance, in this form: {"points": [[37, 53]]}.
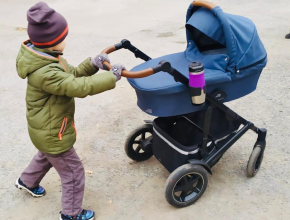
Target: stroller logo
{"points": [[148, 110]]}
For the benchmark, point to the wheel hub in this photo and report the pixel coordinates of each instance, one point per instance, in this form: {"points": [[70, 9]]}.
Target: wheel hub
{"points": [[146, 145], [188, 186]]}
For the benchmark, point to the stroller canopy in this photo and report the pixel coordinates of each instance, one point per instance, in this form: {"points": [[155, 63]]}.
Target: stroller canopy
{"points": [[216, 29]]}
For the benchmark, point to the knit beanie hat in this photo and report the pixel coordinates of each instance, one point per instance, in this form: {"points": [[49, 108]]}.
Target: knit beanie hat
{"points": [[46, 27]]}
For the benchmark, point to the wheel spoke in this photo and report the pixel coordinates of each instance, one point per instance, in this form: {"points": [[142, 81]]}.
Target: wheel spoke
{"points": [[196, 190], [185, 180], [178, 188], [149, 139], [143, 135], [193, 180], [182, 196], [137, 150], [137, 142]]}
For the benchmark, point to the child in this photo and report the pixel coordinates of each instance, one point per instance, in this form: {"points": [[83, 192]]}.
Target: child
{"points": [[51, 88]]}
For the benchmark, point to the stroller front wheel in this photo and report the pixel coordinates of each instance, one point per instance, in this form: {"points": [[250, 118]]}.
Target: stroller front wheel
{"points": [[138, 145], [186, 185], [255, 161]]}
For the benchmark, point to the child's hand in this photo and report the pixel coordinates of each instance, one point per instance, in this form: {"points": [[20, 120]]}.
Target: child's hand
{"points": [[117, 70], [99, 59]]}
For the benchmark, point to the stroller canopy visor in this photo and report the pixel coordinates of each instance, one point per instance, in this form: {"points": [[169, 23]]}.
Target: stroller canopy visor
{"points": [[216, 29]]}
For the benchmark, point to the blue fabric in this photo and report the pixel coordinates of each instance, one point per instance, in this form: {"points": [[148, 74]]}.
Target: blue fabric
{"points": [[160, 95], [237, 33], [163, 83], [205, 21], [165, 105]]}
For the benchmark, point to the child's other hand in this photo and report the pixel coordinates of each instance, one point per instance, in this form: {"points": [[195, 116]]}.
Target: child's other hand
{"points": [[99, 59], [117, 70]]}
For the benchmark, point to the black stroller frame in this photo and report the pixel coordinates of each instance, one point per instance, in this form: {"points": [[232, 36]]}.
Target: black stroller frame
{"points": [[190, 175]]}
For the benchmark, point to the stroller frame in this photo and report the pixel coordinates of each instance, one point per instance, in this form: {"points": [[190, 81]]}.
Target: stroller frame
{"points": [[215, 101], [195, 168]]}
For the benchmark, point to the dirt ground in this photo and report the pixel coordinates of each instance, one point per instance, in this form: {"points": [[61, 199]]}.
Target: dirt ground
{"points": [[118, 188]]}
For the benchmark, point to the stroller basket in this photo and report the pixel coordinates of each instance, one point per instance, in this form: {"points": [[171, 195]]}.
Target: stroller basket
{"points": [[178, 139]]}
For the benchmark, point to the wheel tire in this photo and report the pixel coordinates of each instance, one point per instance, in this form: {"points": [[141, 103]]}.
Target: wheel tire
{"points": [[255, 162], [176, 177], [130, 151]]}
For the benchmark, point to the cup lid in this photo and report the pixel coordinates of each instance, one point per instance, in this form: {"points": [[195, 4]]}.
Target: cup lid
{"points": [[195, 67]]}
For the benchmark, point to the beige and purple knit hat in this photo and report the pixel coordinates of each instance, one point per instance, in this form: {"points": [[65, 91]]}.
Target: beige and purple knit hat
{"points": [[46, 27]]}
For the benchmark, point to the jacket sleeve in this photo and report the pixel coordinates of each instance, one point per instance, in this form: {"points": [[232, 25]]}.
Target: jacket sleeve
{"points": [[57, 82], [84, 69]]}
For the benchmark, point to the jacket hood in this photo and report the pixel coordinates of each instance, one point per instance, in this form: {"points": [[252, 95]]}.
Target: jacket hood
{"points": [[30, 59]]}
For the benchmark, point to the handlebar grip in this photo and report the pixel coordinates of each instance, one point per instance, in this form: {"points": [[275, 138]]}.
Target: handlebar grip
{"points": [[205, 4], [106, 66], [129, 74], [109, 50], [125, 73]]}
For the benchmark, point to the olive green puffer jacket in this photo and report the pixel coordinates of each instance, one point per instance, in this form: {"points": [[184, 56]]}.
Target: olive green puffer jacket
{"points": [[52, 85]]}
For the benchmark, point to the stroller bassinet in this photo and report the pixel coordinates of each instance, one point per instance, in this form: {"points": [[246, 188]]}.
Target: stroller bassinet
{"points": [[228, 46]]}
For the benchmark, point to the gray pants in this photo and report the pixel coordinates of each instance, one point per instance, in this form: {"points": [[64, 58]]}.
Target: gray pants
{"points": [[71, 172]]}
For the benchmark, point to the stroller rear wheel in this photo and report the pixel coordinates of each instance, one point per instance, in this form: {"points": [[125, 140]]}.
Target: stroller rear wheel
{"points": [[138, 145], [185, 185], [255, 162]]}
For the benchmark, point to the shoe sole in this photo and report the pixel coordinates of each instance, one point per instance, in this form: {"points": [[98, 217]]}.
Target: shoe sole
{"points": [[18, 186], [88, 219]]}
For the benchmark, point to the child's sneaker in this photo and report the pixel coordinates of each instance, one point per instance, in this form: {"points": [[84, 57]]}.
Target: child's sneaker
{"points": [[35, 192], [85, 215]]}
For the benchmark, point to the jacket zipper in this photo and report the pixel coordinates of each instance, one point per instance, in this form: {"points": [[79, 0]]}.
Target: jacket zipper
{"points": [[73, 124], [254, 64], [62, 129], [61, 63]]}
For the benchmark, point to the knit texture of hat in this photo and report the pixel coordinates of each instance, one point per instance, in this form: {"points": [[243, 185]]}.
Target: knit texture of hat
{"points": [[46, 27]]}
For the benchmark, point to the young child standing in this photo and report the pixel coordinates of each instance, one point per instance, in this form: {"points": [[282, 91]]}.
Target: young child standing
{"points": [[52, 85]]}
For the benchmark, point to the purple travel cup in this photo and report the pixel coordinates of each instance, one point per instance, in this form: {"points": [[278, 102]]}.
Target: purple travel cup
{"points": [[197, 83]]}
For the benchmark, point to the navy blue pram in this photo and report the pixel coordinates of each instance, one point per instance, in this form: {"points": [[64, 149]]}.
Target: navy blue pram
{"points": [[188, 140], [228, 46]]}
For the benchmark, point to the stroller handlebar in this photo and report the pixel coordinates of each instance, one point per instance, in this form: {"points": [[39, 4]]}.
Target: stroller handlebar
{"points": [[205, 4], [163, 65], [133, 74]]}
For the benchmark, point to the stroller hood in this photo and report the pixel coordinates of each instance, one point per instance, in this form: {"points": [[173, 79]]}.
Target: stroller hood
{"points": [[235, 33]]}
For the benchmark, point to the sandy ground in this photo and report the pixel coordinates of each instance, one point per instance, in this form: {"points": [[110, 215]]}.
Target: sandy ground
{"points": [[120, 189]]}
